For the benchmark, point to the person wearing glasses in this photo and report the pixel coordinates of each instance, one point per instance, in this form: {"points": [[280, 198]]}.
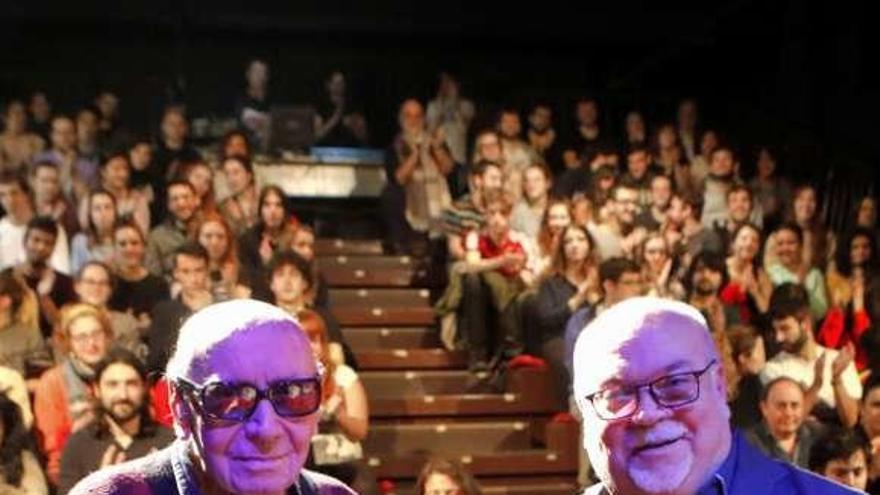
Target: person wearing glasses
{"points": [[64, 398], [650, 386], [243, 417]]}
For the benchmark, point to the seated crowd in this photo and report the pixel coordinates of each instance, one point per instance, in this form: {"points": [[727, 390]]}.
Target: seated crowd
{"points": [[108, 242]]}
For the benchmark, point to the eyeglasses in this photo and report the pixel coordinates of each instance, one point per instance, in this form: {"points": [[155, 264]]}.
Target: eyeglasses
{"points": [[670, 391], [291, 398], [82, 338]]}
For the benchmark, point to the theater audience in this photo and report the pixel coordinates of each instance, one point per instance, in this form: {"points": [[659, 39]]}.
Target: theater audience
{"points": [[653, 215], [784, 433], [828, 376], [137, 290], [841, 455], [122, 429], [543, 138], [20, 471], [615, 232], [227, 277], [241, 206], [453, 114], [571, 283], [201, 176], [419, 166], [770, 190], [748, 287], [190, 273], [442, 477], [529, 209], [130, 202], [749, 356], [818, 242], [164, 240], [64, 397], [269, 235], [95, 242], [18, 145], [792, 267], [40, 109], [252, 108], [794, 310], [338, 121], [94, 285], [658, 265], [53, 288], [49, 201], [20, 340], [16, 202], [344, 414]]}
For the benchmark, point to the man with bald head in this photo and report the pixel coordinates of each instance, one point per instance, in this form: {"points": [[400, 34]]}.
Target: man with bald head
{"points": [[651, 388], [243, 417]]}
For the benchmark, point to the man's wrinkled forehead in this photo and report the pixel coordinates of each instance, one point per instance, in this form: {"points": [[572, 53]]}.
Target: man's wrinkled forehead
{"points": [[216, 358], [620, 339]]}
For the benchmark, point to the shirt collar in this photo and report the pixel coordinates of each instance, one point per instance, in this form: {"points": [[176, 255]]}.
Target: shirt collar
{"points": [[722, 478]]}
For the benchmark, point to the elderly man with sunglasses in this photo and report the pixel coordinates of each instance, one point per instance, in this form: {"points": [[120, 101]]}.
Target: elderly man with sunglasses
{"points": [[245, 394], [650, 385]]}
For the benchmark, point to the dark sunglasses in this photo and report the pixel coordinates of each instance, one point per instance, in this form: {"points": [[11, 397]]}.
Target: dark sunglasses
{"points": [[291, 398]]}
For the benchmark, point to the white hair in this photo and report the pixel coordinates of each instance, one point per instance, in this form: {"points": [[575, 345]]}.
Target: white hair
{"points": [[218, 323], [618, 324]]}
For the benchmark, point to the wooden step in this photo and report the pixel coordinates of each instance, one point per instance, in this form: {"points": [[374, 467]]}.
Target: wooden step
{"points": [[391, 359], [504, 485], [443, 438], [351, 247], [532, 461], [391, 337], [384, 315], [506, 404], [403, 384], [379, 297], [346, 276], [368, 261], [558, 457]]}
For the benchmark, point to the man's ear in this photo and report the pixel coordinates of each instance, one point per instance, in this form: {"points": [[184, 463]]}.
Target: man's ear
{"points": [[180, 412]]}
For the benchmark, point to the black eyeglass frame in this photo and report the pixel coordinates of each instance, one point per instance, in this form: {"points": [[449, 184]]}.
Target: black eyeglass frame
{"points": [[198, 392], [591, 398]]}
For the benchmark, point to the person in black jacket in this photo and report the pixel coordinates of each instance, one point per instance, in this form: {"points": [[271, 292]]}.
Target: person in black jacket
{"points": [[572, 283]]}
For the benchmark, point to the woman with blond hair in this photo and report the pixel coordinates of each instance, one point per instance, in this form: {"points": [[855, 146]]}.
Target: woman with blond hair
{"points": [[63, 399]]}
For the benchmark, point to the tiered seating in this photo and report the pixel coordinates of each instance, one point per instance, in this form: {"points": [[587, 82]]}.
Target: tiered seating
{"points": [[423, 401]]}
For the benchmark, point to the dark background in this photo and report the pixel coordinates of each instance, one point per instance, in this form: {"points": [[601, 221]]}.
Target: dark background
{"points": [[791, 73]]}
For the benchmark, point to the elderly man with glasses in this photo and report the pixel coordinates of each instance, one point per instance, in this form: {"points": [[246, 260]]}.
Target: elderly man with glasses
{"points": [[650, 385], [245, 393]]}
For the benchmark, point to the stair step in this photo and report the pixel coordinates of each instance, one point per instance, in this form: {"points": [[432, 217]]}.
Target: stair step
{"points": [[379, 297], [405, 384], [448, 438], [368, 261], [506, 404], [345, 276], [383, 315], [378, 359], [353, 247], [504, 485], [391, 337], [532, 461]]}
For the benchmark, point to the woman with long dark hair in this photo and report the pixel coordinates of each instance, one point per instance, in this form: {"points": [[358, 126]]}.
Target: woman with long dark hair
{"points": [[20, 472], [572, 283], [96, 242], [270, 234], [748, 287]]}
